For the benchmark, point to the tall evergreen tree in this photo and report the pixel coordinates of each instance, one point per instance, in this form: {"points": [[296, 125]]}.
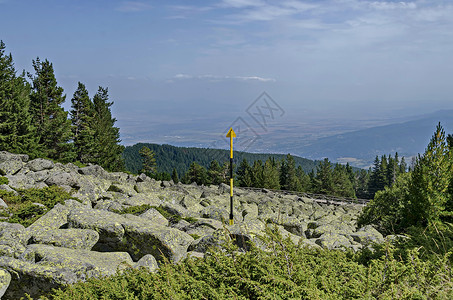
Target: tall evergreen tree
{"points": [[49, 118], [257, 174], [17, 133], [148, 161], [82, 114], [196, 173], [215, 173], [431, 177], [342, 185], [323, 179], [244, 173], [107, 151], [174, 176], [270, 175]]}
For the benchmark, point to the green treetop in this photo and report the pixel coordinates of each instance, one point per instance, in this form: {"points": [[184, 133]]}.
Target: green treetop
{"points": [[49, 118], [17, 133]]}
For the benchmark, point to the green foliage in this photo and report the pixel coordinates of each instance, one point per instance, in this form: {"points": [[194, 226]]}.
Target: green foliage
{"points": [[4, 180], [49, 118], [196, 173], [286, 271], [420, 198], [148, 160], [21, 208], [17, 133], [386, 210], [180, 158], [106, 136], [431, 177]]}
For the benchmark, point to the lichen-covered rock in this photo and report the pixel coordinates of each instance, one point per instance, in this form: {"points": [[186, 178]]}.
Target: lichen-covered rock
{"points": [[72, 238], [106, 223], [62, 178], [367, 235], [333, 241], [154, 216], [10, 167], [6, 156], [215, 212], [143, 238], [95, 170], [83, 263], [20, 181], [141, 199], [33, 279], [5, 279], [40, 164], [148, 262]]}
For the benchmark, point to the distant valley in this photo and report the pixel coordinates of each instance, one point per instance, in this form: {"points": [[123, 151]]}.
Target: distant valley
{"points": [[353, 141]]}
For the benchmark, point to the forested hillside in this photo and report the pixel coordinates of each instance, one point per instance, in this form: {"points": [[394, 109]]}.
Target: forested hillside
{"points": [[180, 158]]}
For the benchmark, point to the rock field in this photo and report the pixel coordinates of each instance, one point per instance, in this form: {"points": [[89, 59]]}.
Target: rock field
{"points": [[78, 240]]}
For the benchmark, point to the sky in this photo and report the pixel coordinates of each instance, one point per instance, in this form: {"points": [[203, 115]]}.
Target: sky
{"points": [[199, 65]]}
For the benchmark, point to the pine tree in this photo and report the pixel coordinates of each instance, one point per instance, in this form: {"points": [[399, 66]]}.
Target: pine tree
{"points": [[215, 173], [174, 176], [49, 118], [17, 133], [431, 177], [148, 161], [323, 179], [270, 175], [196, 173], [82, 114], [244, 173], [342, 185], [257, 174], [107, 151]]}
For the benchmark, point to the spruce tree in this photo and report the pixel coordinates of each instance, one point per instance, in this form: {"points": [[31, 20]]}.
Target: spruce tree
{"points": [[106, 136], [148, 161], [82, 114], [215, 173], [17, 133], [431, 177], [244, 173], [323, 179], [174, 176], [270, 175], [49, 118], [257, 173]]}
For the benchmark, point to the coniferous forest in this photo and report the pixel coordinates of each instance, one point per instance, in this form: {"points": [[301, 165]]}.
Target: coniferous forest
{"points": [[34, 122]]}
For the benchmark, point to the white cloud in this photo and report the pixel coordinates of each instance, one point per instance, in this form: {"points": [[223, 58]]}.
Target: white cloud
{"points": [[393, 5], [223, 77], [133, 6]]}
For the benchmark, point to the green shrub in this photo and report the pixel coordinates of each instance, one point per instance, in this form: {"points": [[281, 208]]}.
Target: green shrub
{"points": [[21, 208], [4, 180], [288, 271]]}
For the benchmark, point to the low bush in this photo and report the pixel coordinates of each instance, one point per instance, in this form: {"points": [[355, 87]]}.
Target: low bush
{"points": [[22, 207], [284, 271]]}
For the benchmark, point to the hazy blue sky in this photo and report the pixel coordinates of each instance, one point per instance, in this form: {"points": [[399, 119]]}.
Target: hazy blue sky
{"points": [[168, 62]]}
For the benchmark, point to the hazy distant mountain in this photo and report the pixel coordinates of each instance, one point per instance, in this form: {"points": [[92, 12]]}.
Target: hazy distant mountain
{"points": [[359, 148]]}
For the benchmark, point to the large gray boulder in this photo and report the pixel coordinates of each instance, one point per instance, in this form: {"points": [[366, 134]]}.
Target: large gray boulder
{"points": [[72, 238], [83, 263], [154, 216], [135, 235], [33, 279], [5, 279], [40, 164], [62, 179]]}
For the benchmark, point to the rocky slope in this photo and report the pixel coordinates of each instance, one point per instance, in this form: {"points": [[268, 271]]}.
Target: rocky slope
{"points": [[78, 240]]}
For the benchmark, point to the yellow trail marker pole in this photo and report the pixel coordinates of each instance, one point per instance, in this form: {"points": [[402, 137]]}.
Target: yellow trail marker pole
{"points": [[231, 134]]}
